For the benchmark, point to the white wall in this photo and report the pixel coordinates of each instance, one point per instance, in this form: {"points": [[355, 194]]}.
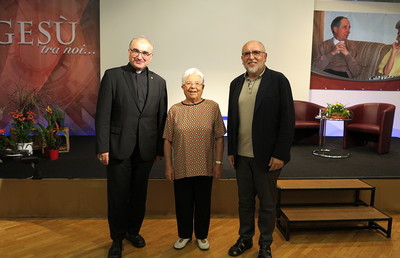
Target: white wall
{"points": [[209, 35]]}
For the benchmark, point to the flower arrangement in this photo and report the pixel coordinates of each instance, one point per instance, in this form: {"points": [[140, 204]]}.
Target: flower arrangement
{"points": [[51, 133], [31, 105], [337, 110], [23, 125], [27, 105]]}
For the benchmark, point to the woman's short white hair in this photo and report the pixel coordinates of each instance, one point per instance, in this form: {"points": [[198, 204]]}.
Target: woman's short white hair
{"points": [[191, 71]]}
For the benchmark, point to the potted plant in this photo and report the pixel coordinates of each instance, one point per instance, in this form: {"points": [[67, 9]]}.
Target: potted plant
{"points": [[52, 140], [23, 127], [51, 134], [25, 105], [337, 111]]}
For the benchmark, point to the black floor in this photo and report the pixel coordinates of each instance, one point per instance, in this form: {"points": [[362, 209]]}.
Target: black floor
{"points": [[81, 162], [364, 162]]}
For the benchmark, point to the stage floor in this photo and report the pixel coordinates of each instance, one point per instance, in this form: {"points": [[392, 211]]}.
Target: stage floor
{"points": [[81, 163]]}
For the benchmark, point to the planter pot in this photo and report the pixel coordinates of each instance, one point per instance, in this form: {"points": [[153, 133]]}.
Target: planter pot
{"points": [[337, 117], [26, 146], [51, 154]]}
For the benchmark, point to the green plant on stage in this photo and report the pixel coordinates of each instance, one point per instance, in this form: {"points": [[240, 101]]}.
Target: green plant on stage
{"points": [[23, 126], [52, 136], [54, 115], [25, 105], [338, 110]]}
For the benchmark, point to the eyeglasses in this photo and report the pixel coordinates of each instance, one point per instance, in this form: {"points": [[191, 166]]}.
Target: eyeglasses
{"points": [[196, 84], [255, 53], [137, 52]]}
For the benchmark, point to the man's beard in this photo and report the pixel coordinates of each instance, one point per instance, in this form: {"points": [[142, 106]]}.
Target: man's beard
{"points": [[253, 69]]}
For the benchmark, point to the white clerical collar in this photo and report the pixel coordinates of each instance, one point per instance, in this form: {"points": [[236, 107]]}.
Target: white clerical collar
{"points": [[139, 71]]}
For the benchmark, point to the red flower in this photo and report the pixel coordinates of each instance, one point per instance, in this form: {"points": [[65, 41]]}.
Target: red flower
{"points": [[23, 125]]}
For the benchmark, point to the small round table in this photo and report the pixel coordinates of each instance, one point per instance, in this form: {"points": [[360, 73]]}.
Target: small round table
{"points": [[325, 152]]}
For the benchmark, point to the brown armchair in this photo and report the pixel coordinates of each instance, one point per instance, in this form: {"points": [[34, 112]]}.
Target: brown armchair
{"points": [[372, 124], [307, 126]]}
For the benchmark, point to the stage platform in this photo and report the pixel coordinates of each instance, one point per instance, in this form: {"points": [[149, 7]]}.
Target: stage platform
{"points": [[81, 163], [86, 198], [75, 186]]}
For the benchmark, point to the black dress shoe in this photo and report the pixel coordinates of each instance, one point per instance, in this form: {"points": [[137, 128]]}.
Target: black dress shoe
{"points": [[240, 246], [115, 250], [265, 252], [136, 240]]}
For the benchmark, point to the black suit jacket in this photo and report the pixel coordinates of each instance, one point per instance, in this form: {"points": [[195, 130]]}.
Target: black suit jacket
{"points": [[273, 120], [120, 125]]}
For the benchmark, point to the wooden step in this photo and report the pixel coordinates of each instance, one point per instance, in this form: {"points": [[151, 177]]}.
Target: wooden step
{"points": [[289, 216], [341, 213], [322, 184], [314, 213]]}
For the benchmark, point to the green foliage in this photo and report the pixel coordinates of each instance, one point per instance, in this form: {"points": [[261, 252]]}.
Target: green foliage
{"points": [[337, 109], [51, 136], [53, 115], [28, 105], [23, 125], [6, 142]]}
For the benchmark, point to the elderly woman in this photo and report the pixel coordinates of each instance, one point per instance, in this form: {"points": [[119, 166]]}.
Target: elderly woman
{"points": [[193, 149]]}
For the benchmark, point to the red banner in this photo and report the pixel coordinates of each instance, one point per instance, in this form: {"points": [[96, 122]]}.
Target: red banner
{"points": [[52, 47], [322, 82]]}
